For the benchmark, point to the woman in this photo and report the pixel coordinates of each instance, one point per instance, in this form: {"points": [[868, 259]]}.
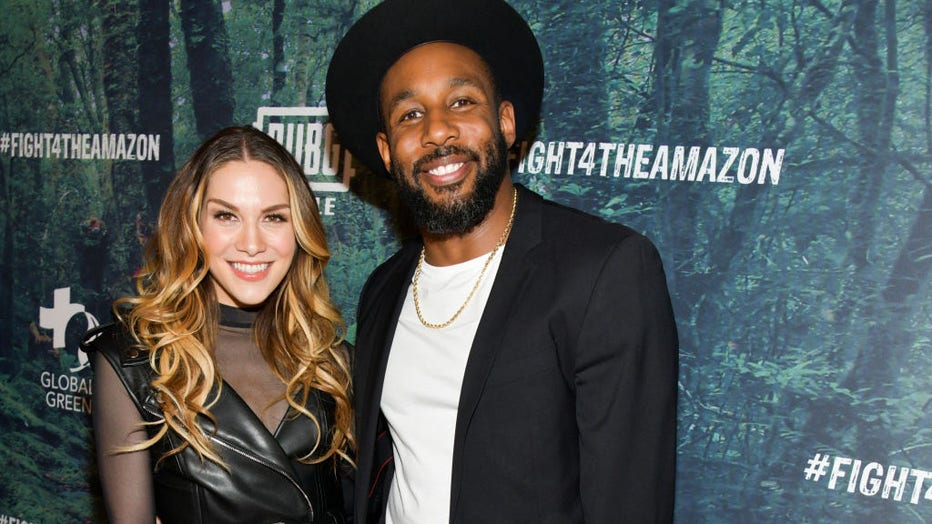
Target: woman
{"points": [[222, 394]]}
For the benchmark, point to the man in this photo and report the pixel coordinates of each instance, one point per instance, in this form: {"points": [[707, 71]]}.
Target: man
{"points": [[518, 363]]}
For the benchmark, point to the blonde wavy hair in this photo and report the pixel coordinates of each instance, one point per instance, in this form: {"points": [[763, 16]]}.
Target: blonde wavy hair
{"points": [[175, 315]]}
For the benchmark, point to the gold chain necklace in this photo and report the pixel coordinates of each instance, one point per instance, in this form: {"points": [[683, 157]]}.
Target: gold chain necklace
{"points": [[475, 287]]}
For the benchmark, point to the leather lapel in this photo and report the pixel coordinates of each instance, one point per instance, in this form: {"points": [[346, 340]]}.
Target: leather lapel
{"points": [[238, 426], [297, 434], [513, 274]]}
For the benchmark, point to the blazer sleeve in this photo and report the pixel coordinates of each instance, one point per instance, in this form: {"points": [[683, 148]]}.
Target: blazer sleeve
{"points": [[626, 386]]}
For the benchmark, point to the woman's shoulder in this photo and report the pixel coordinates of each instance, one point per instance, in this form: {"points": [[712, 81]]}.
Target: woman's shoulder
{"points": [[119, 348], [113, 338], [113, 341]]}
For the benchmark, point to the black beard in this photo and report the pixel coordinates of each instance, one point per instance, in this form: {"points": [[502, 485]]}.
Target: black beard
{"points": [[459, 216]]}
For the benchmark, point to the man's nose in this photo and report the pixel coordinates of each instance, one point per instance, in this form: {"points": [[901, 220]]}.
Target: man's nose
{"points": [[439, 128]]}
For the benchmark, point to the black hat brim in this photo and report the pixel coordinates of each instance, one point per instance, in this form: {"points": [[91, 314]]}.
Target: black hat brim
{"points": [[491, 28]]}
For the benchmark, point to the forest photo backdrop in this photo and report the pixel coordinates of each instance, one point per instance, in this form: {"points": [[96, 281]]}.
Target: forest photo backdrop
{"points": [[778, 152]]}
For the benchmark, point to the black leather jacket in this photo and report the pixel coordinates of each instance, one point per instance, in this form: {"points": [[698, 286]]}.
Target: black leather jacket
{"points": [[265, 482]]}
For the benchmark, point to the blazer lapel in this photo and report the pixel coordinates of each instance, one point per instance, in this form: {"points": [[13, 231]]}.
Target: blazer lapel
{"points": [[392, 297], [513, 274], [381, 318]]}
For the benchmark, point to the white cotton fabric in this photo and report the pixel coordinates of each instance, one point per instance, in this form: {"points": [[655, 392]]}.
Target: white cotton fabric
{"points": [[422, 387]]}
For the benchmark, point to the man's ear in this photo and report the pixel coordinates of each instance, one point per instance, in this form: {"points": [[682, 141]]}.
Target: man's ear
{"points": [[506, 122], [381, 140]]}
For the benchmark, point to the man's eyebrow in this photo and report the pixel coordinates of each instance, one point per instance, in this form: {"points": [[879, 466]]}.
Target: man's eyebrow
{"points": [[399, 98], [407, 93], [460, 82]]}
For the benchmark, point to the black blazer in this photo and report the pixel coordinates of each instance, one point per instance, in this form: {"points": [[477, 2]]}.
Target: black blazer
{"points": [[567, 411]]}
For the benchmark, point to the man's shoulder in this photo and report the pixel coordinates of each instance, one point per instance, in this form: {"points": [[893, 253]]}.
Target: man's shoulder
{"points": [[570, 238], [565, 224], [392, 270], [399, 261]]}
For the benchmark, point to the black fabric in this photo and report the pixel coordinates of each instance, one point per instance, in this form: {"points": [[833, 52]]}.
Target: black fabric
{"points": [[127, 476], [236, 317], [245, 372], [264, 481], [567, 413], [491, 28]]}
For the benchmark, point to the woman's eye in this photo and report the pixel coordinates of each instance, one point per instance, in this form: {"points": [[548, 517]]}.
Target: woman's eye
{"points": [[277, 218], [224, 216]]}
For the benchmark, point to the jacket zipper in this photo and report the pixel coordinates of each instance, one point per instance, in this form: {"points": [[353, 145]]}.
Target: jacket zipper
{"points": [[272, 467]]}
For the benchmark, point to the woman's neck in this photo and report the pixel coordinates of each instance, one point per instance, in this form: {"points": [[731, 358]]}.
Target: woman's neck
{"points": [[235, 317]]}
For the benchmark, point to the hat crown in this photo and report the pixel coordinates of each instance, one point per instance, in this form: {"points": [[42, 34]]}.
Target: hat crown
{"points": [[491, 28]]}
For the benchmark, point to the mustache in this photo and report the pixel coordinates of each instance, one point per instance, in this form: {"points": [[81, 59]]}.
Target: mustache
{"points": [[443, 151]]}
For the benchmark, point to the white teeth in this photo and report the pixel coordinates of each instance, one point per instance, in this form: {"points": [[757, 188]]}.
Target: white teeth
{"points": [[250, 268], [445, 170]]}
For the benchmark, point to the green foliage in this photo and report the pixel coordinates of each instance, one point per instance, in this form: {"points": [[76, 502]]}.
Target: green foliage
{"points": [[47, 454], [789, 344]]}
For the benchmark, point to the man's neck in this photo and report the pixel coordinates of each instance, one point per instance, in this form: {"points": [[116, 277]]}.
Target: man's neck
{"points": [[452, 249]]}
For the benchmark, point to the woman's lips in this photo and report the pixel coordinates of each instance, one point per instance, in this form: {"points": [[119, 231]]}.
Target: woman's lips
{"points": [[251, 271]]}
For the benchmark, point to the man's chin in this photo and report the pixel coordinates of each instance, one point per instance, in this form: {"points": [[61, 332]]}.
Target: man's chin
{"points": [[445, 220], [454, 208], [455, 215]]}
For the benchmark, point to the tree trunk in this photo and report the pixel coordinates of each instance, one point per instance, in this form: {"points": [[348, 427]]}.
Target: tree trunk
{"points": [[278, 49], [155, 80], [874, 96], [6, 250], [687, 37], [208, 52], [884, 348], [927, 116], [121, 87], [575, 81], [874, 319]]}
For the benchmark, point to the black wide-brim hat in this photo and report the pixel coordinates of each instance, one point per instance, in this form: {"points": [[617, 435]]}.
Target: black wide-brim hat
{"points": [[491, 28]]}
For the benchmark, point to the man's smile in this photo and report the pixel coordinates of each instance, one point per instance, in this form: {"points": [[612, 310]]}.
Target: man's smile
{"points": [[445, 165]]}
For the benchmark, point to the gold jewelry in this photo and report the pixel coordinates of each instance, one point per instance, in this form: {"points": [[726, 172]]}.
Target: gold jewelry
{"points": [[488, 260]]}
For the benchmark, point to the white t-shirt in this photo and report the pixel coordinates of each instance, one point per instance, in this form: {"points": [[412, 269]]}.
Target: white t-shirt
{"points": [[421, 393]]}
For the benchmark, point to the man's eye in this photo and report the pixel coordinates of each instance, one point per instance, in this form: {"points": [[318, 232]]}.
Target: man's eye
{"points": [[460, 102], [410, 115]]}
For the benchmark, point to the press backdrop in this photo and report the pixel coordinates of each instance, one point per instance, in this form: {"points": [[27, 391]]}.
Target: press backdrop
{"points": [[776, 151]]}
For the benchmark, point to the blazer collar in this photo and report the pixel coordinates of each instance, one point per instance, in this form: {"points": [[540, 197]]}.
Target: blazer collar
{"points": [[513, 275], [525, 235]]}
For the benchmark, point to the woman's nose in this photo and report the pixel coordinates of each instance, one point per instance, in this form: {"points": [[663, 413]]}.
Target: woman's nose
{"points": [[251, 240]]}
